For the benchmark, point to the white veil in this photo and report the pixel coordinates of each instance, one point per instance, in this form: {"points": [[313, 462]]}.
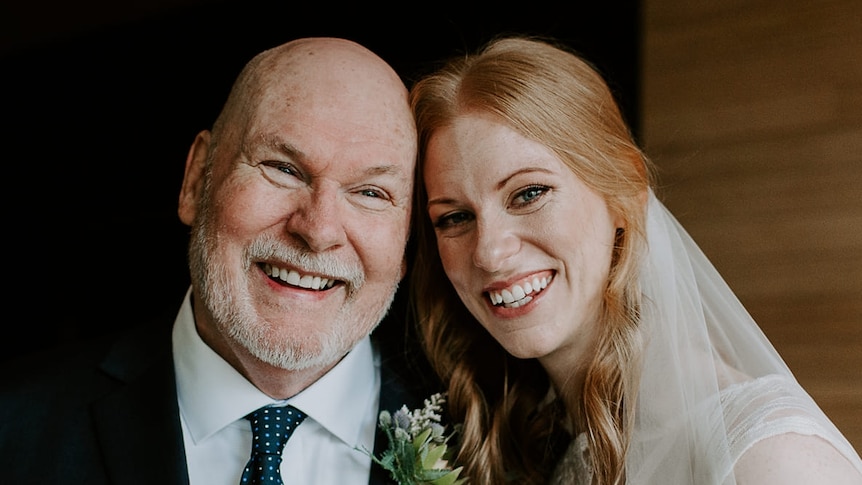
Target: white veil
{"points": [[712, 384]]}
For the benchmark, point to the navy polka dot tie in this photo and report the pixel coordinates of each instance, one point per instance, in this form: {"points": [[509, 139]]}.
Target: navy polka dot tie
{"points": [[271, 427]]}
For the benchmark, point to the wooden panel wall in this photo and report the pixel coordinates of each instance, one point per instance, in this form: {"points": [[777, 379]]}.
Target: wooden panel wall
{"points": [[752, 110]]}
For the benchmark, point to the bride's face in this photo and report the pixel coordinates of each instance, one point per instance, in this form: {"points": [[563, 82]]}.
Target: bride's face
{"points": [[526, 244]]}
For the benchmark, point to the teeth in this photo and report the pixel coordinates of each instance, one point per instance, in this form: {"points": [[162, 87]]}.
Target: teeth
{"points": [[293, 277], [519, 294]]}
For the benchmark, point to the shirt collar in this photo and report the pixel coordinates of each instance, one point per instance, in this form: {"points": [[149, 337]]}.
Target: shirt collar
{"points": [[212, 394]]}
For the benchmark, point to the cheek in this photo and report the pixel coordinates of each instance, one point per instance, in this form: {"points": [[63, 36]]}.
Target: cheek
{"points": [[240, 226], [592, 258], [456, 261], [381, 249], [242, 206]]}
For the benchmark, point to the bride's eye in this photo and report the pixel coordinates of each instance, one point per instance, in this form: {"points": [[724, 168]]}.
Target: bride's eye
{"points": [[451, 219], [529, 195]]}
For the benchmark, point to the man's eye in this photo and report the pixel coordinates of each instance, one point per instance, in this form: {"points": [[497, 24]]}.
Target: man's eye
{"points": [[280, 174], [287, 169], [282, 167], [373, 193], [372, 197]]}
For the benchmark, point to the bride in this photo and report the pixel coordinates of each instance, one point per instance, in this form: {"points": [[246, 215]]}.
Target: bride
{"points": [[582, 334]]}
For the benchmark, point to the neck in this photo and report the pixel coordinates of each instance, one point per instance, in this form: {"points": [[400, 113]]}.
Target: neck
{"points": [[567, 369], [275, 382]]}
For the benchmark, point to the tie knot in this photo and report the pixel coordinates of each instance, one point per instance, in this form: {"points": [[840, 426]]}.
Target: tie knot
{"points": [[272, 426]]}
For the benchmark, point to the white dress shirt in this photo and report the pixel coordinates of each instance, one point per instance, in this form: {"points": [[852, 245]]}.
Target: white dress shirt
{"points": [[214, 398]]}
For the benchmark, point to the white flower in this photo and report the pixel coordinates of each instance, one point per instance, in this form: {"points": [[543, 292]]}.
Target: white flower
{"points": [[417, 453]]}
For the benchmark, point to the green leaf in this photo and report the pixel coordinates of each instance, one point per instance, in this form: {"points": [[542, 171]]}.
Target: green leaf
{"points": [[420, 439], [405, 461], [450, 478], [434, 453]]}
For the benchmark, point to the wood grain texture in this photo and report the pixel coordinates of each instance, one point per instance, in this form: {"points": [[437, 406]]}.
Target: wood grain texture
{"points": [[752, 112]]}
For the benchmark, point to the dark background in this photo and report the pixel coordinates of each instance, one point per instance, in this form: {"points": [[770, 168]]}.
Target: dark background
{"points": [[100, 105]]}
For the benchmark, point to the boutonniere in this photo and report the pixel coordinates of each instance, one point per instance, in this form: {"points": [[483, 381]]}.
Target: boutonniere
{"points": [[417, 453]]}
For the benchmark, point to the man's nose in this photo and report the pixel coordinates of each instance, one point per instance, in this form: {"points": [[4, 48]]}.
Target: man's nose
{"points": [[318, 220]]}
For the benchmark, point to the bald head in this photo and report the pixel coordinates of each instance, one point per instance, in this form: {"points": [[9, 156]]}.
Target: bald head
{"points": [[332, 75]]}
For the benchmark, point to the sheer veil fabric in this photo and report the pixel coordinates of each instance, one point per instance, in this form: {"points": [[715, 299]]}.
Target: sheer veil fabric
{"points": [[712, 384]]}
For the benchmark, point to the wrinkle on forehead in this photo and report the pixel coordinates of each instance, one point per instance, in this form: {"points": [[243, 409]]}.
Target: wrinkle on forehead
{"points": [[331, 87]]}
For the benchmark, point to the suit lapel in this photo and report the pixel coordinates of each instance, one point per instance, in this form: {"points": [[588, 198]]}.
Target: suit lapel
{"points": [[393, 395], [138, 424]]}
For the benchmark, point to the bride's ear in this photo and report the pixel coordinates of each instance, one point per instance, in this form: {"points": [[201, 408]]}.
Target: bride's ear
{"points": [[643, 198]]}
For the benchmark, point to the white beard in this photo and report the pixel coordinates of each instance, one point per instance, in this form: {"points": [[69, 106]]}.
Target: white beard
{"points": [[225, 295]]}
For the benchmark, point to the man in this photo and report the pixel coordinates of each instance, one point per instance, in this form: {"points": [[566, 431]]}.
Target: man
{"points": [[299, 203]]}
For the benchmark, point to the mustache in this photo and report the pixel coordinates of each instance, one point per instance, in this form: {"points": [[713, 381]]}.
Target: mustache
{"points": [[271, 249]]}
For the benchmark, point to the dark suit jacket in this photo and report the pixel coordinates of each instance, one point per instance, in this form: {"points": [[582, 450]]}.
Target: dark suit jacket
{"points": [[106, 412]]}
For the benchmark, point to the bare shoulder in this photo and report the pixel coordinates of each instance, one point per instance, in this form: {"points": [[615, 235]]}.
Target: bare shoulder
{"points": [[792, 458]]}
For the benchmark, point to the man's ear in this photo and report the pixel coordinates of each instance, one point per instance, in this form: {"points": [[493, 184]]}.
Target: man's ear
{"points": [[193, 178]]}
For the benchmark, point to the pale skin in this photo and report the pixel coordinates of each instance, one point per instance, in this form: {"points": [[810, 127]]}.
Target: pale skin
{"points": [[507, 211], [315, 164], [792, 458]]}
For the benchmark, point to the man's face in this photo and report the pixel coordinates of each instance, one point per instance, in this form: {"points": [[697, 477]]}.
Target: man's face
{"points": [[298, 243]]}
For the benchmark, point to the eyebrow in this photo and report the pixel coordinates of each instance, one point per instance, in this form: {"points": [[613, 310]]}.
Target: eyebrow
{"points": [[383, 170], [502, 183], [439, 201], [523, 171], [279, 145]]}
